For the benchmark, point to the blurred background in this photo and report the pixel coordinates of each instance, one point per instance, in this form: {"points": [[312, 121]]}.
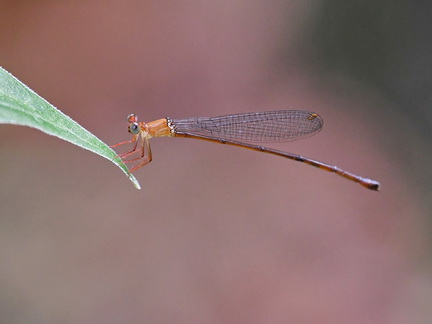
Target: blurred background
{"points": [[219, 234]]}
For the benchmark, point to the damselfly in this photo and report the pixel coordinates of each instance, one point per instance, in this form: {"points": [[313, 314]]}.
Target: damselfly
{"points": [[242, 130]]}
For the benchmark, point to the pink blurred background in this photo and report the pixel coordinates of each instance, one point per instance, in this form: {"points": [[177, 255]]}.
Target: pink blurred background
{"points": [[217, 234]]}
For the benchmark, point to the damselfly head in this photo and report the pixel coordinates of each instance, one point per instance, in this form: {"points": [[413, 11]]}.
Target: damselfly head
{"points": [[134, 127]]}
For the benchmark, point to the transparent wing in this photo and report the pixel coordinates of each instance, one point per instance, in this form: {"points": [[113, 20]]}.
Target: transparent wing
{"points": [[267, 126]]}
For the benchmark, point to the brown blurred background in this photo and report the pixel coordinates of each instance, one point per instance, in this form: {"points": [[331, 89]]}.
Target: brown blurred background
{"points": [[219, 234]]}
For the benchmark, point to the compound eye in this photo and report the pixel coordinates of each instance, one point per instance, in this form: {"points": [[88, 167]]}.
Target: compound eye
{"points": [[134, 128], [132, 118]]}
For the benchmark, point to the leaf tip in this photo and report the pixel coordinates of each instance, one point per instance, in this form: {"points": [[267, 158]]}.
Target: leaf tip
{"points": [[134, 181]]}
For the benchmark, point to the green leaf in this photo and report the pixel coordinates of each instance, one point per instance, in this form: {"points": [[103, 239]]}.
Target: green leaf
{"points": [[19, 105]]}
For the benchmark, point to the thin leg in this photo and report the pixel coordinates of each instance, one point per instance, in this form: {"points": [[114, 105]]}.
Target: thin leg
{"points": [[134, 138], [146, 155], [126, 154], [142, 150]]}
